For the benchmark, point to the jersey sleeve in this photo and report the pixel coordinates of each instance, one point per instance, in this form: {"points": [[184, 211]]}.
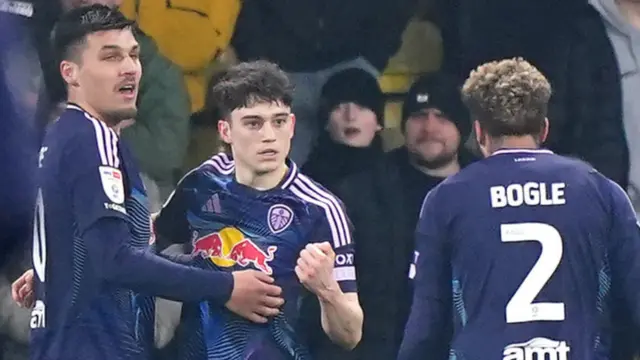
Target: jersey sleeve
{"points": [[428, 327], [624, 249], [335, 227], [171, 226], [92, 164]]}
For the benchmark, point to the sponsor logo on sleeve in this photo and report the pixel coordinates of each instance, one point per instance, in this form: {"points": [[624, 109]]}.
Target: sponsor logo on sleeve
{"points": [[112, 184]]}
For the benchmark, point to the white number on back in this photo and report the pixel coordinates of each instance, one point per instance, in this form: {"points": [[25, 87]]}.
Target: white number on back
{"points": [[39, 239], [521, 307]]}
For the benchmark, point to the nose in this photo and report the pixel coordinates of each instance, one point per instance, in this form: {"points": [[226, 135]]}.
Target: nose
{"points": [[130, 66], [431, 122], [268, 132], [351, 112]]}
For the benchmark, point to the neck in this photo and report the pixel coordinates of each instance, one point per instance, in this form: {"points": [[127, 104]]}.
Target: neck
{"points": [[631, 11], [442, 172], [86, 107], [261, 182], [512, 142]]}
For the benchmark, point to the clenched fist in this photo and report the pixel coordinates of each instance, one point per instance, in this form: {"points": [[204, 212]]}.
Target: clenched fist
{"points": [[315, 269]]}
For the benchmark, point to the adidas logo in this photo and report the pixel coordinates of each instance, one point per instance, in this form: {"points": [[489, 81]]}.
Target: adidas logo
{"points": [[212, 205]]}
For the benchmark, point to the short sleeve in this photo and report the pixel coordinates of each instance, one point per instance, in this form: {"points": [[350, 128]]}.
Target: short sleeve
{"points": [[335, 227], [171, 226], [92, 163]]}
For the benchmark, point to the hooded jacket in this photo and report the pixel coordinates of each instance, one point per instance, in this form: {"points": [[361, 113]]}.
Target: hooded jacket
{"points": [[625, 40]]}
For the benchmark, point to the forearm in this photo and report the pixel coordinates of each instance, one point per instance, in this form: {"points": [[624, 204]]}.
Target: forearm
{"points": [[342, 319], [139, 270]]}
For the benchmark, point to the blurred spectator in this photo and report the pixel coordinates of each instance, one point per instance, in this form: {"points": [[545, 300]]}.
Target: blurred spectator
{"points": [[383, 202], [573, 52], [313, 40], [21, 89], [622, 21], [159, 136], [20, 82], [192, 33], [350, 118]]}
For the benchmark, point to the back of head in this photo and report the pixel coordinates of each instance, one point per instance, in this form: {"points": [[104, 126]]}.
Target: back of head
{"points": [[249, 83], [508, 98]]}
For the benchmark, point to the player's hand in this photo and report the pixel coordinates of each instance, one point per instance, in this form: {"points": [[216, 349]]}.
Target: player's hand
{"points": [[315, 269], [22, 289], [254, 296]]}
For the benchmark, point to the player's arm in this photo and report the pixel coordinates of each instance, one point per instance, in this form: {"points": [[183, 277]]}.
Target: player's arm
{"points": [[341, 314], [97, 194], [429, 324], [624, 250]]}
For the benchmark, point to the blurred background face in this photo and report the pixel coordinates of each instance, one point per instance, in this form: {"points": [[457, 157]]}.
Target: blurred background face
{"points": [[431, 138], [352, 125], [259, 135], [71, 4], [108, 75]]}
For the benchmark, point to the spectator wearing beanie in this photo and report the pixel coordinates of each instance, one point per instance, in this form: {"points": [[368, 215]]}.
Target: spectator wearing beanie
{"points": [[351, 114], [384, 202]]}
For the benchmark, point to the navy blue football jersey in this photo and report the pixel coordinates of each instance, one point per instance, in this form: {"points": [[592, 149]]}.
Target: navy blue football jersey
{"points": [[85, 174], [235, 227], [520, 257]]}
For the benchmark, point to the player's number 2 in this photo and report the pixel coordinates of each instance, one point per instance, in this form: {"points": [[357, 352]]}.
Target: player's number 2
{"points": [[521, 307], [39, 239]]}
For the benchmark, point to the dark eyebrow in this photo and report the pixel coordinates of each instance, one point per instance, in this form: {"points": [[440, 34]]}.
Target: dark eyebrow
{"points": [[256, 117], [119, 48], [252, 117]]}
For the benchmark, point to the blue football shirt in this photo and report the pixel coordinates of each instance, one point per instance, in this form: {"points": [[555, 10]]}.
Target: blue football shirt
{"points": [[86, 174], [235, 227], [521, 256]]}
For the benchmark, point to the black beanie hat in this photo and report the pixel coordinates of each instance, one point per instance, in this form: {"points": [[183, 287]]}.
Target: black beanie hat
{"points": [[438, 91], [352, 85]]}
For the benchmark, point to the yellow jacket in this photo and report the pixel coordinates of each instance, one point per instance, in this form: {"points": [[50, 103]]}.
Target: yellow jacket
{"points": [[191, 33]]}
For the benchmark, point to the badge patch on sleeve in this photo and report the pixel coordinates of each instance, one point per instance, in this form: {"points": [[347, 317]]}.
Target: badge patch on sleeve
{"points": [[112, 184]]}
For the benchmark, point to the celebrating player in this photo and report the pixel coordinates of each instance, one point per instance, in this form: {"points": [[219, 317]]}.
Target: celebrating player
{"points": [[524, 251], [252, 208], [92, 226]]}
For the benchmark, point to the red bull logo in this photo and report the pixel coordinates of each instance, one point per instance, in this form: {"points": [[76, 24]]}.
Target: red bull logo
{"points": [[229, 247]]}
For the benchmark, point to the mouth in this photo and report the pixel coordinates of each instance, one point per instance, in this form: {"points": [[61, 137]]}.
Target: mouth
{"points": [[128, 90], [268, 152], [351, 131]]}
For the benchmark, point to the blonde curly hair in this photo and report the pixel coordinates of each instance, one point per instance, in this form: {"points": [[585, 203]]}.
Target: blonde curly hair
{"points": [[508, 97]]}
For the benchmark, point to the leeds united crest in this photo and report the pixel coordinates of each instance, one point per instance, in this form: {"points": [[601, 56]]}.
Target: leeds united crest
{"points": [[279, 218]]}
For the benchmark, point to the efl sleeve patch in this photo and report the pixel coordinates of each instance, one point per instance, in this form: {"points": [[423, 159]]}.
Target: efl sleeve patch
{"points": [[112, 183]]}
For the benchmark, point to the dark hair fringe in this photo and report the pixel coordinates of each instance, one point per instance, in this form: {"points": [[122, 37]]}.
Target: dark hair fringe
{"points": [[248, 83], [73, 27]]}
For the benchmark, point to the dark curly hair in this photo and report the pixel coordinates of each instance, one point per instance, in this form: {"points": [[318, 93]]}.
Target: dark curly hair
{"points": [[508, 98]]}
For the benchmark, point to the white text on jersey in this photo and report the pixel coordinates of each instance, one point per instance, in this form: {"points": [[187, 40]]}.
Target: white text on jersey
{"points": [[537, 349], [529, 194]]}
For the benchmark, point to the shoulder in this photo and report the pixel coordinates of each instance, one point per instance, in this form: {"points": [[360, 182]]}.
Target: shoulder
{"points": [[218, 167], [331, 214], [79, 133], [310, 191]]}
